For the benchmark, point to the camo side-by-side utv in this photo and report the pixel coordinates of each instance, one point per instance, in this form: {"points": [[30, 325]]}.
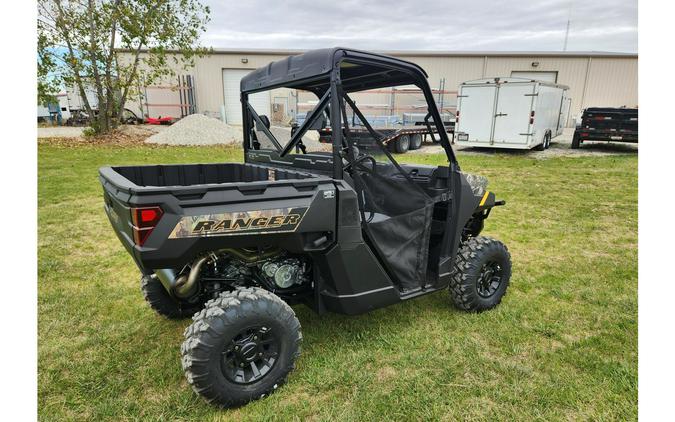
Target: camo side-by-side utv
{"points": [[340, 227]]}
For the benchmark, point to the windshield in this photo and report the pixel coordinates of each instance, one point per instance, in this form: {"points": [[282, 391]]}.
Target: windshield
{"points": [[286, 111]]}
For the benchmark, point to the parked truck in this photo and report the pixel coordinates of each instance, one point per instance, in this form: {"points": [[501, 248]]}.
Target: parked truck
{"points": [[512, 113]]}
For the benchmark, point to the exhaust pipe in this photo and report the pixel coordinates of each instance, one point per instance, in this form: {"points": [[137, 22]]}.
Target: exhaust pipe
{"points": [[182, 286]]}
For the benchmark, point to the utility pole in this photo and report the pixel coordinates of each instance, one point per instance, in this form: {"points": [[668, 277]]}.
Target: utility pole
{"points": [[567, 30]]}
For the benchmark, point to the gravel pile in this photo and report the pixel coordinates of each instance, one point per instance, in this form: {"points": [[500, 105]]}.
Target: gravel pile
{"points": [[197, 129]]}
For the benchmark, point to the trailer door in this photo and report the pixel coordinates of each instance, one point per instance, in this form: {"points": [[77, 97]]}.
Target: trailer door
{"points": [[512, 116], [564, 112], [476, 112]]}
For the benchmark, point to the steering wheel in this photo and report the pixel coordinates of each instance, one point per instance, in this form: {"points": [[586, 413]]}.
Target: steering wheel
{"points": [[353, 165], [361, 159]]}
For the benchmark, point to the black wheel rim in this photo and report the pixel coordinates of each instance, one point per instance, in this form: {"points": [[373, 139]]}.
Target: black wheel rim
{"points": [[490, 279], [250, 355]]}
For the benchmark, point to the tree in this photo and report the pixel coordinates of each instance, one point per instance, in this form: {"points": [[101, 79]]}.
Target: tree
{"points": [[79, 42]]}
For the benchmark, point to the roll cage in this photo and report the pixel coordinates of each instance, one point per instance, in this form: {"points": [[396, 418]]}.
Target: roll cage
{"points": [[332, 74]]}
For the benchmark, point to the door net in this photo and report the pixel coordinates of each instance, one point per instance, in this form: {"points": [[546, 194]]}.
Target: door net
{"points": [[395, 212]]}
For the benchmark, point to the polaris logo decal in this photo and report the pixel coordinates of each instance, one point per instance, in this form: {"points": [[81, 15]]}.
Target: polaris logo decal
{"points": [[279, 220]]}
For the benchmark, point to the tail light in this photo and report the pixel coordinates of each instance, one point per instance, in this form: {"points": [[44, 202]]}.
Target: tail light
{"points": [[144, 220], [532, 117]]}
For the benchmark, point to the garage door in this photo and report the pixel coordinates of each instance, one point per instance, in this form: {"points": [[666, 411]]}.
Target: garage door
{"points": [[231, 80], [538, 76]]}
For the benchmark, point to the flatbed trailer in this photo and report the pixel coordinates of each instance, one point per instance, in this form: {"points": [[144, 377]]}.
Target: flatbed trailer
{"points": [[399, 140]]}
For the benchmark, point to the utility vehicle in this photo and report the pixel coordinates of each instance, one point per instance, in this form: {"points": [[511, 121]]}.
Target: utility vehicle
{"points": [[347, 230]]}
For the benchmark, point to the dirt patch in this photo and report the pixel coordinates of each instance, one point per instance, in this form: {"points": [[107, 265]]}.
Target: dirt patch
{"points": [[385, 374], [125, 135], [117, 138]]}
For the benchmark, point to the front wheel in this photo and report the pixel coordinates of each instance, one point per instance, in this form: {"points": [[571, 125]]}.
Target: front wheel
{"points": [[241, 347], [481, 274]]}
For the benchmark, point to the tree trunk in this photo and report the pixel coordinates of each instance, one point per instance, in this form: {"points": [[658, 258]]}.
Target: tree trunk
{"points": [[102, 118], [110, 104], [132, 76], [76, 68]]}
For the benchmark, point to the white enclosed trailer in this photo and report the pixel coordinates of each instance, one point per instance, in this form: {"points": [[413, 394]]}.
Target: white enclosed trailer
{"points": [[512, 113], [75, 100]]}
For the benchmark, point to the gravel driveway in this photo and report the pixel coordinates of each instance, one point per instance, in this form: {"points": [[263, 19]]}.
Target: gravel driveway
{"points": [[560, 147], [60, 132]]}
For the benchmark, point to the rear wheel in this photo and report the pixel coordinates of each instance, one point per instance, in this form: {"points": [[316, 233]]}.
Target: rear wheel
{"points": [[576, 141], [402, 144], [162, 303], [241, 346], [481, 274], [416, 141], [544, 142]]}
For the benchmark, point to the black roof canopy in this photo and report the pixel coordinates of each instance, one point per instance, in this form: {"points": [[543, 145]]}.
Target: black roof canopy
{"points": [[359, 70]]}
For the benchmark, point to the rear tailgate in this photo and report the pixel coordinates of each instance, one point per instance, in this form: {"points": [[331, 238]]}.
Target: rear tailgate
{"points": [[116, 198]]}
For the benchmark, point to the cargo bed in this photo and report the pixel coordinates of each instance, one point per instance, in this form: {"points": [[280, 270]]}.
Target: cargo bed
{"points": [[184, 193]]}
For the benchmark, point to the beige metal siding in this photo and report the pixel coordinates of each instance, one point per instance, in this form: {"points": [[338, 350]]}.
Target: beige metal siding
{"points": [[455, 70], [209, 77], [593, 81], [612, 82]]}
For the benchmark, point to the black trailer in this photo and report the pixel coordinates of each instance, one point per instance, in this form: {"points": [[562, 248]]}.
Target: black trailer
{"points": [[347, 231], [606, 124]]}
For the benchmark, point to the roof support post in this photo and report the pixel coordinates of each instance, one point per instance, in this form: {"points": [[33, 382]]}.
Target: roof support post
{"points": [[245, 124], [336, 119]]}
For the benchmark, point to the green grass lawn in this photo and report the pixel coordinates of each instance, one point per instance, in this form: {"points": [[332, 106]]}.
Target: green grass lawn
{"points": [[562, 345]]}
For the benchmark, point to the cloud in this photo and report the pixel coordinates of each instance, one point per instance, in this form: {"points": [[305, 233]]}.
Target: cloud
{"points": [[607, 25]]}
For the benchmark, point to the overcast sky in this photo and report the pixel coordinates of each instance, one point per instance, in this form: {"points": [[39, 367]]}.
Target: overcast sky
{"points": [[601, 25]]}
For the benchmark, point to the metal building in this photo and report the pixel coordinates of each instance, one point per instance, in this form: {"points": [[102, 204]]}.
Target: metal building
{"points": [[599, 79]]}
